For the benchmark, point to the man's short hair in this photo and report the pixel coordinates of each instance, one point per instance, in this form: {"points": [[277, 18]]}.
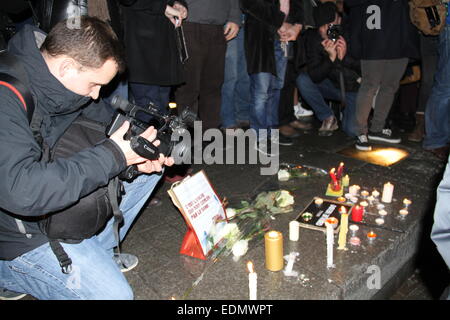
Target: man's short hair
{"points": [[91, 43]]}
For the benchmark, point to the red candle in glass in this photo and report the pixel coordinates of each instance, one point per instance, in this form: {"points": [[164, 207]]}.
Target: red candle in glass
{"points": [[357, 213], [335, 184]]}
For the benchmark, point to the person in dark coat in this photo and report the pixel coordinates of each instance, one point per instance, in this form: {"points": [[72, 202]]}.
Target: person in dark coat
{"points": [[326, 60], [382, 36], [269, 25], [154, 65], [64, 73]]}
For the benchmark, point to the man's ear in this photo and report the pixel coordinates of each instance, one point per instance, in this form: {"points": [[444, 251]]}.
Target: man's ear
{"points": [[67, 68]]}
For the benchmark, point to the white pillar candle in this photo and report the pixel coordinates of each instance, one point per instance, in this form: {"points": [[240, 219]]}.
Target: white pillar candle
{"points": [[388, 191], [252, 281], [330, 242], [294, 227]]}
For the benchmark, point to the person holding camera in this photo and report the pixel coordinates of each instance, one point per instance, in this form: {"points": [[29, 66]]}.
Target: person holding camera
{"points": [[64, 72], [331, 74]]}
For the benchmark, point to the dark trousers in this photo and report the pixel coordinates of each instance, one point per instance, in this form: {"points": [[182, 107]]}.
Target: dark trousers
{"points": [[286, 107], [206, 46], [429, 57]]}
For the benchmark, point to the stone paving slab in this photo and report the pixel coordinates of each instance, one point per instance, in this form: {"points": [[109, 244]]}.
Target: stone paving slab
{"points": [[157, 235]]}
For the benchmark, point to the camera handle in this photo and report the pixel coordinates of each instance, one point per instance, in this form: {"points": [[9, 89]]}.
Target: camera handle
{"points": [[144, 148]]}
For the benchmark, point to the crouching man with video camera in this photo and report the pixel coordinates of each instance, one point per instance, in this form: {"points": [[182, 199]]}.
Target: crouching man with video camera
{"points": [[59, 75]]}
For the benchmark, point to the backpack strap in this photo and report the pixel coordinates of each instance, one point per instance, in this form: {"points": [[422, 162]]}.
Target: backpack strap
{"points": [[20, 89]]}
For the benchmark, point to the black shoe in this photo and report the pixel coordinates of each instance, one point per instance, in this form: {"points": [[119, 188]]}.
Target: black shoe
{"points": [[386, 135], [283, 140], [362, 143]]}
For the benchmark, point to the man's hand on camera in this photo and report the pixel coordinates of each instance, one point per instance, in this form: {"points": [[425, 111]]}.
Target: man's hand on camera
{"points": [[330, 48], [144, 165], [341, 48]]}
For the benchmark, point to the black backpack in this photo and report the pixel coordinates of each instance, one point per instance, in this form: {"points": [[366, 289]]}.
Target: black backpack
{"points": [[89, 215]]}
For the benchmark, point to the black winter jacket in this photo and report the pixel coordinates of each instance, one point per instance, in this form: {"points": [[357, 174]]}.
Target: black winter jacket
{"points": [[381, 29], [150, 44], [263, 20], [29, 187]]}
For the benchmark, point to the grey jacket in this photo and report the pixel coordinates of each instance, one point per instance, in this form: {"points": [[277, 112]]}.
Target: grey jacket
{"points": [[217, 12]]}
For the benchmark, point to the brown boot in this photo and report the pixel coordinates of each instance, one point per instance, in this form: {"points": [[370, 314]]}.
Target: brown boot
{"points": [[419, 130], [287, 131], [301, 125]]}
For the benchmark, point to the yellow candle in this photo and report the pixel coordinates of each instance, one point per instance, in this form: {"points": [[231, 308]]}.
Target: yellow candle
{"points": [[343, 232], [273, 241], [345, 181]]}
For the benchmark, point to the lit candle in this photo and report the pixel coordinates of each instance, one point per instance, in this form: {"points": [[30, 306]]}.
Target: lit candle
{"points": [[345, 181], [371, 236], [379, 221], [354, 190], [252, 281], [375, 193], [294, 227], [364, 205], [340, 171], [330, 242], [364, 194], [407, 203], [388, 191], [273, 241], [335, 183], [341, 199], [357, 213], [354, 228], [403, 212], [318, 202], [371, 199], [343, 230], [333, 221], [382, 212]]}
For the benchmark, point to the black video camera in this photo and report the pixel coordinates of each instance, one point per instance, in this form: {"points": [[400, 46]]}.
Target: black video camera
{"points": [[334, 31], [170, 129]]}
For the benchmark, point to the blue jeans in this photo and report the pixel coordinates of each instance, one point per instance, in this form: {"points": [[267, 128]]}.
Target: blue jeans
{"points": [[145, 93], [265, 94], [235, 104], [437, 109], [95, 275], [315, 94]]}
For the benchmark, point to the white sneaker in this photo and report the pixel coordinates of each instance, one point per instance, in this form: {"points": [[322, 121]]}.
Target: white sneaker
{"points": [[301, 112], [126, 261]]}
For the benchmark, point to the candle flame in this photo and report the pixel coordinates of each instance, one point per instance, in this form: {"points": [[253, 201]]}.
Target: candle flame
{"points": [[341, 164], [342, 210], [172, 298], [250, 266], [333, 170], [273, 234]]}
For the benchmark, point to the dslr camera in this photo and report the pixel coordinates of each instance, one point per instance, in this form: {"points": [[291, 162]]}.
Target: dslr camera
{"points": [[334, 31], [170, 128]]}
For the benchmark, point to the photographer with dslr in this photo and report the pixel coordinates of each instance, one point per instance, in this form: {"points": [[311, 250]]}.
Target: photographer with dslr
{"points": [[63, 73], [330, 72]]}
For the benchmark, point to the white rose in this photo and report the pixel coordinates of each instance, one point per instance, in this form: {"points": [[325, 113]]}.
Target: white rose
{"points": [[284, 199], [230, 212], [283, 175], [240, 248], [229, 231]]}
